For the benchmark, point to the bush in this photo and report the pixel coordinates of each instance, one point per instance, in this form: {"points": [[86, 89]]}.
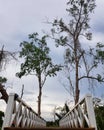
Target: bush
{"points": [[99, 113]]}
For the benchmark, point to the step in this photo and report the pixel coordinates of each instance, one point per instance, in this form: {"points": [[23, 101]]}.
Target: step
{"points": [[47, 128]]}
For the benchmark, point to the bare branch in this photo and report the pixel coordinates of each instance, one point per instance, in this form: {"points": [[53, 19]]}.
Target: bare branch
{"points": [[91, 77], [63, 26]]}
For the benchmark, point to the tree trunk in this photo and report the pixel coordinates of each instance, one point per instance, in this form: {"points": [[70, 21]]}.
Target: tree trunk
{"points": [[77, 91], [40, 95], [4, 93]]}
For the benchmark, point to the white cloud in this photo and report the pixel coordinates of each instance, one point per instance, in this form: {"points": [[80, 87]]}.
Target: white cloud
{"points": [[18, 18]]}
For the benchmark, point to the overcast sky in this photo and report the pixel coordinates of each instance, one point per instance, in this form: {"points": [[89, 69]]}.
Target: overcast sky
{"points": [[18, 18]]}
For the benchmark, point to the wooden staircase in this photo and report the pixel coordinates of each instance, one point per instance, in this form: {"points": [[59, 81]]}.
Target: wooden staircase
{"points": [[48, 128], [18, 114]]}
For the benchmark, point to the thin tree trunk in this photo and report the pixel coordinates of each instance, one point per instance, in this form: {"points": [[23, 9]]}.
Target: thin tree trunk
{"points": [[39, 96], [77, 91]]}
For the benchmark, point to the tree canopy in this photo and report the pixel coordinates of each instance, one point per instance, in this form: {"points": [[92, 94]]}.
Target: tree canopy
{"points": [[37, 61], [80, 62]]}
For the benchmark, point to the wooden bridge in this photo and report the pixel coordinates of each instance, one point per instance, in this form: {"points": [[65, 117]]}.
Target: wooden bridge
{"points": [[19, 116]]}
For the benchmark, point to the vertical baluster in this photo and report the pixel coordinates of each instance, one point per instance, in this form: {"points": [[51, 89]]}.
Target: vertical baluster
{"points": [[9, 111], [90, 111]]}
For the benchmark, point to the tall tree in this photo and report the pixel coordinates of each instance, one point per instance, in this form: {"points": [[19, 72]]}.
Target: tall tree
{"points": [[37, 62], [69, 35]]}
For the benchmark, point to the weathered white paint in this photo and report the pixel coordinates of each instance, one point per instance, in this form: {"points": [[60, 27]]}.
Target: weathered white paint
{"points": [[82, 113], [19, 114], [9, 111], [90, 111]]}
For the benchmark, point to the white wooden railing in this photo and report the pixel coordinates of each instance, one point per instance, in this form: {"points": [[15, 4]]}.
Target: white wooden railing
{"points": [[81, 116], [19, 114]]}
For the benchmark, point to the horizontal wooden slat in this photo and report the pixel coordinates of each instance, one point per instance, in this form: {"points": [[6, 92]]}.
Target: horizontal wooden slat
{"points": [[48, 128]]}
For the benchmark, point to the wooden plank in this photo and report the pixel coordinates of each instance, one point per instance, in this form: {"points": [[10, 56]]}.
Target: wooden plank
{"points": [[9, 111], [48, 128]]}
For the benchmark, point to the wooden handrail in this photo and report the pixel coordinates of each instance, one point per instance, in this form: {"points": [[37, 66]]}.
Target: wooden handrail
{"points": [[19, 114], [81, 116]]}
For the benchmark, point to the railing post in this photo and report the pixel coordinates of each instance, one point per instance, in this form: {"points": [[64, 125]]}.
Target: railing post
{"points": [[20, 114], [90, 111], [9, 111]]}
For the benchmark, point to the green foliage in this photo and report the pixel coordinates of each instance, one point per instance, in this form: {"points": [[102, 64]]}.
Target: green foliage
{"points": [[62, 111], [52, 123], [80, 63], [100, 52], [99, 112], [37, 59], [3, 80], [37, 62], [78, 25]]}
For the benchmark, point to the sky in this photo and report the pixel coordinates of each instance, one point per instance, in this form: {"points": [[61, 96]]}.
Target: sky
{"points": [[18, 18]]}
